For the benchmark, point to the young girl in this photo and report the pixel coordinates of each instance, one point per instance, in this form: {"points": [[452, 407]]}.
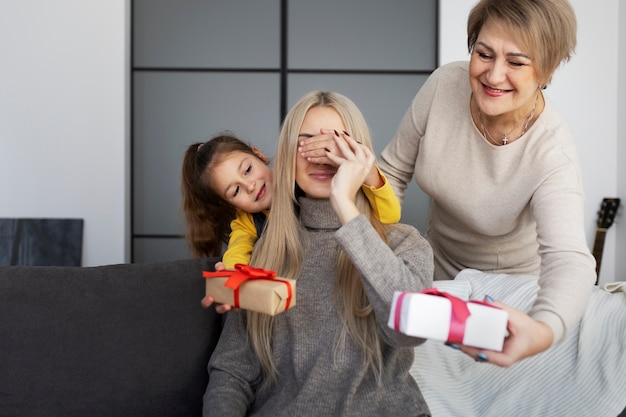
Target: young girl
{"points": [[227, 181], [333, 353]]}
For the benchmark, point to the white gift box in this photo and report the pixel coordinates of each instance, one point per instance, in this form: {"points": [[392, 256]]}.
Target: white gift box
{"points": [[430, 316]]}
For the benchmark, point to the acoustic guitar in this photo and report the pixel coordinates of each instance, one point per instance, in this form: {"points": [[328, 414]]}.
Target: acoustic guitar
{"points": [[606, 217]]}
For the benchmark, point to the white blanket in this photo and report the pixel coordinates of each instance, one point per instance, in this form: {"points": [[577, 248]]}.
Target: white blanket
{"points": [[583, 376]]}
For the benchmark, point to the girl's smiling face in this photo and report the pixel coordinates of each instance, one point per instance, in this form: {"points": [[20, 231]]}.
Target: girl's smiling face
{"points": [[314, 179], [244, 181]]}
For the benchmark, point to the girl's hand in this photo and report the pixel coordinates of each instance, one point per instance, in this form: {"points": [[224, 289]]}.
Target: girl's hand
{"points": [[208, 300], [527, 337], [355, 162]]}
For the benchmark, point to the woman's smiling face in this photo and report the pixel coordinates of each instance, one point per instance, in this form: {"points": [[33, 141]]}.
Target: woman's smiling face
{"points": [[315, 179], [502, 76]]}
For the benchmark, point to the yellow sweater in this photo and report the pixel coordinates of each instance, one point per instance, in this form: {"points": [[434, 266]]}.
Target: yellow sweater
{"points": [[243, 235]]}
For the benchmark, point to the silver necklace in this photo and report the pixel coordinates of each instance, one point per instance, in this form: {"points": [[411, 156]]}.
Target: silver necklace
{"points": [[505, 139]]}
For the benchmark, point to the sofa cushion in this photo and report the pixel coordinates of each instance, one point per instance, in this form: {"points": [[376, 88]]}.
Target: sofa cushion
{"points": [[113, 340]]}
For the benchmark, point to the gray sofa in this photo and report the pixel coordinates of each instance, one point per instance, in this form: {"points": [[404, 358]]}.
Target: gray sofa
{"points": [[128, 340], [114, 340]]}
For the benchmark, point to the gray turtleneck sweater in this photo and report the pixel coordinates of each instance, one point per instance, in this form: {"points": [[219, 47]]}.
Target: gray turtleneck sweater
{"points": [[312, 380]]}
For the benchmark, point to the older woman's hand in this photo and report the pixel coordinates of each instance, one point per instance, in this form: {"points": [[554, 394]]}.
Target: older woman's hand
{"points": [[526, 337]]}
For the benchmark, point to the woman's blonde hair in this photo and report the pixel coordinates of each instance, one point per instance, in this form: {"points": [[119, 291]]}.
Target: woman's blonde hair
{"points": [[281, 247], [546, 29]]}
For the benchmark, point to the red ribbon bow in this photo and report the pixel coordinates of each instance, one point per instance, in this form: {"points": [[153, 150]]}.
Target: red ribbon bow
{"points": [[241, 274]]}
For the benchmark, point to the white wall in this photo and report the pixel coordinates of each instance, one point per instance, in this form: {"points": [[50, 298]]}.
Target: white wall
{"points": [[64, 142], [620, 227], [584, 90], [63, 134]]}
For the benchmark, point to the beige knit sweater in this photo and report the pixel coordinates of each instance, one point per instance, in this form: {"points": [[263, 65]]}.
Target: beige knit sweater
{"points": [[514, 209]]}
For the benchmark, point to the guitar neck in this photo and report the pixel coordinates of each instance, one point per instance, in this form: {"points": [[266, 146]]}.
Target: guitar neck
{"points": [[598, 248], [606, 216]]}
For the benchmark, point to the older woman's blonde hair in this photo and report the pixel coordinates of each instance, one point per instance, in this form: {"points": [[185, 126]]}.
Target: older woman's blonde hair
{"points": [[282, 249], [546, 29]]}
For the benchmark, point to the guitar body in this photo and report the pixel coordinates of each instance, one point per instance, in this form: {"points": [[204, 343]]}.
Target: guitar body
{"points": [[606, 217]]}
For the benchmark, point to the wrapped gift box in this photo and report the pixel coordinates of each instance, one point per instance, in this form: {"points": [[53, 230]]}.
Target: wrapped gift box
{"points": [[252, 289], [437, 315]]}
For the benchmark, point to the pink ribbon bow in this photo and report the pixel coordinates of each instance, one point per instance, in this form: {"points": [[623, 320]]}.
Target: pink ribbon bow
{"points": [[460, 313]]}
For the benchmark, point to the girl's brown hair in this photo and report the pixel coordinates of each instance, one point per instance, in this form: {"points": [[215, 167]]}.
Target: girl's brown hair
{"points": [[207, 214]]}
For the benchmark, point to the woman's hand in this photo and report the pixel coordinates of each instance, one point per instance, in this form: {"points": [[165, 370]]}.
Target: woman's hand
{"points": [[527, 337], [208, 300], [355, 162], [315, 150]]}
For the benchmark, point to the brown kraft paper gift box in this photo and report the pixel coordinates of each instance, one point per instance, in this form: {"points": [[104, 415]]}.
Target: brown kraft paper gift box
{"points": [[250, 288]]}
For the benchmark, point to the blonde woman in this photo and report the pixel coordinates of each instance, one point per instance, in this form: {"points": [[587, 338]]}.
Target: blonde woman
{"points": [[332, 354]]}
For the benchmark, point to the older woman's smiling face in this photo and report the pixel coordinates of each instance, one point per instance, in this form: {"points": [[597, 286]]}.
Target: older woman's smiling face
{"points": [[315, 179], [502, 75]]}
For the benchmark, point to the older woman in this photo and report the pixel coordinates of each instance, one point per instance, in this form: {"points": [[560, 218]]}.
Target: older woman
{"points": [[501, 167]]}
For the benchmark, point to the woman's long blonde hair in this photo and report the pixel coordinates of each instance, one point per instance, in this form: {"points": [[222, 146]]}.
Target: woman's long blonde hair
{"points": [[281, 247]]}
